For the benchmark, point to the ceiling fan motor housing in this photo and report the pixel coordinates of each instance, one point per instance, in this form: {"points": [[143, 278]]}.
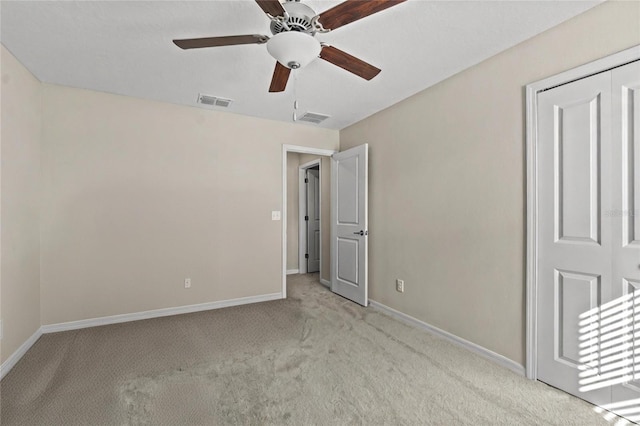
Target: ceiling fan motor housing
{"points": [[298, 18]]}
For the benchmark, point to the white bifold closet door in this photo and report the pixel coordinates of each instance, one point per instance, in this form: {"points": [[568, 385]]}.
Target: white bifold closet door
{"points": [[589, 238]]}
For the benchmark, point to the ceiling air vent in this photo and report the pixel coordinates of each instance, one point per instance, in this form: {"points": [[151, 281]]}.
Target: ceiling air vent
{"points": [[313, 117], [213, 101]]}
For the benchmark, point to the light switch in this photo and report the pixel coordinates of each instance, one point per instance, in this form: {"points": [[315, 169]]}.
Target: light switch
{"points": [[275, 215]]}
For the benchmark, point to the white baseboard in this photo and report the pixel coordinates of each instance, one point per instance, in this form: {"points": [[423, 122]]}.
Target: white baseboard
{"points": [[115, 319], [325, 283], [482, 351], [293, 271], [19, 353]]}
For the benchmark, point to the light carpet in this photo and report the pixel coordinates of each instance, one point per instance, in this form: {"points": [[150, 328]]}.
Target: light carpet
{"points": [[314, 358]]}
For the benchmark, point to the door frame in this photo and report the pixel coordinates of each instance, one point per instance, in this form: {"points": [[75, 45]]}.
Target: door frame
{"points": [[300, 150], [601, 65], [302, 228]]}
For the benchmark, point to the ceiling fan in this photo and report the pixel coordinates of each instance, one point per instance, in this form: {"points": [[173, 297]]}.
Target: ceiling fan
{"points": [[293, 44]]}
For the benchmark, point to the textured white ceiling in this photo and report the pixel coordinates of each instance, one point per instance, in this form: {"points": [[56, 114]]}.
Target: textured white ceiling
{"points": [[125, 47]]}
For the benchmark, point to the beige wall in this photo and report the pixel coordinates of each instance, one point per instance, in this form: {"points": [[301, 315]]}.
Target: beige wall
{"points": [[447, 183], [20, 193], [139, 195], [293, 161]]}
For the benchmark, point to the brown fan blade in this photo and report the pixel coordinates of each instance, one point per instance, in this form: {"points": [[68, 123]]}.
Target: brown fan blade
{"points": [[271, 7], [348, 62], [196, 43], [280, 78], [352, 10]]}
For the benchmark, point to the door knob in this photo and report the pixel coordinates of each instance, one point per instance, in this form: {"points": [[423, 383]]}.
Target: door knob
{"points": [[361, 233]]}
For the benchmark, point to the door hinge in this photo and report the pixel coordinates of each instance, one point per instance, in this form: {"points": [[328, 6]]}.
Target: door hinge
{"points": [[306, 180], [306, 218], [306, 256]]}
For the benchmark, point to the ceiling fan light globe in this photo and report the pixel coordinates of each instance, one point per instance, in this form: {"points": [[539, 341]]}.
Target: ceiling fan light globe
{"points": [[294, 47]]}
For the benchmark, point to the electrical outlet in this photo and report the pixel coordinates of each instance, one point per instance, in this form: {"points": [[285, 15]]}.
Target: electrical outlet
{"points": [[400, 286], [187, 283]]}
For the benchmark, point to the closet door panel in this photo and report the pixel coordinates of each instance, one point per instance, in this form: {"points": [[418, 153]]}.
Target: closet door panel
{"points": [[624, 356], [574, 236]]}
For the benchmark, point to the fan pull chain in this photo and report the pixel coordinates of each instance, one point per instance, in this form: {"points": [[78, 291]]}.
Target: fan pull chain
{"points": [[295, 96]]}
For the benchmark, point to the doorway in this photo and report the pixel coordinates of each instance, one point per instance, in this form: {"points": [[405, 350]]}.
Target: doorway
{"points": [[297, 160], [310, 213], [345, 257]]}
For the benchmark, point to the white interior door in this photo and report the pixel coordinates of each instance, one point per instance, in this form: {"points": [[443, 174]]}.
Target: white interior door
{"points": [[313, 220], [574, 265], [349, 223], [624, 369]]}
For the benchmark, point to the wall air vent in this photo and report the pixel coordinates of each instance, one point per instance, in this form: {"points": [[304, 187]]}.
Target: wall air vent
{"points": [[313, 117], [213, 101]]}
